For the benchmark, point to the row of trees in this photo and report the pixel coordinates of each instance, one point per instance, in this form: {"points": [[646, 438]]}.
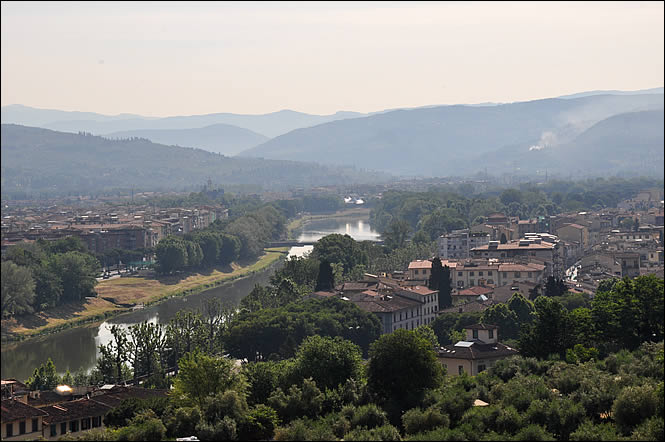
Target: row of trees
{"points": [[326, 392], [45, 274]]}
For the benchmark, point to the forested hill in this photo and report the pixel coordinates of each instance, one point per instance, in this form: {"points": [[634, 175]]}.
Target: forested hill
{"points": [[38, 160], [447, 140]]}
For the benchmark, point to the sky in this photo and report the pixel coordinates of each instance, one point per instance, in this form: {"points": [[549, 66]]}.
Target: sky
{"points": [[184, 58]]}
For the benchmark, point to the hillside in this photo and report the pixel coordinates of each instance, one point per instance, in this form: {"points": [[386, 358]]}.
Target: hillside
{"points": [[624, 142], [442, 140], [40, 160], [218, 138]]}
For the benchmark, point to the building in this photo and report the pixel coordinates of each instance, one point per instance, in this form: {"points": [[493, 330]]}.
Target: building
{"points": [[21, 421], [479, 351], [574, 233], [531, 247], [420, 269], [456, 245], [73, 417], [395, 312]]}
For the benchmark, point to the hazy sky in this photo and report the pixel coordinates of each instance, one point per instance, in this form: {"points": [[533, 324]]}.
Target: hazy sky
{"points": [[170, 58]]}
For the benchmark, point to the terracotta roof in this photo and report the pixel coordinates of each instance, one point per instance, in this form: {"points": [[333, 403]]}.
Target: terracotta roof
{"points": [[77, 409], [476, 290], [521, 267], [573, 225], [118, 394], [421, 290], [420, 264], [13, 410]]}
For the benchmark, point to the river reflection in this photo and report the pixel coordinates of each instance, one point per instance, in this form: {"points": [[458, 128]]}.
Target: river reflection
{"points": [[78, 348]]}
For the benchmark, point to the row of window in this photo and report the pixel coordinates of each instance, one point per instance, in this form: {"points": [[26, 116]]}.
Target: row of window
{"points": [[489, 273], [22, 427], [86, 424]]}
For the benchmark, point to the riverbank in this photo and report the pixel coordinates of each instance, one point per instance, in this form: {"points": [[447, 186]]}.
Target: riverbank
{"points": [[121, 295], [295, 226]]}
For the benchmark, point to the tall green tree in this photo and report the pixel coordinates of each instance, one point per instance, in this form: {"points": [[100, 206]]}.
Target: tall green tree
{"points": [[171, 254], [18, 290], [201, 376], [328, 361], [396, 234], [325, 280], [552, 331], [445, 289], [402, 366], [44, 377], [78, 273]]}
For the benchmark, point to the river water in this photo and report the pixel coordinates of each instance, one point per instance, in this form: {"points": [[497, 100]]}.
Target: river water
{"points": [[77, 348]]}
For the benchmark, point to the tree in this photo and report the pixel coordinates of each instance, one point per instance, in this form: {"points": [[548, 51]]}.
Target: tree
{"points": [[18, 290], [328, 361], [325, 280], [45, 377], [78, 272], [502, 316], [445, 289], [552, 331], [171, 254], [402, 366], [555, 287], [146, 348], [336, 248], [201, 375], [116, 351], [395, 235]]}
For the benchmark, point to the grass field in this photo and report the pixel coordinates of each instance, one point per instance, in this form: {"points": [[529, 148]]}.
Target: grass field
{"points": [[120, 294]]}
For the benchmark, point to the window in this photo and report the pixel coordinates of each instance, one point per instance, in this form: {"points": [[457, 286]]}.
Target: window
{"points": [[491, 333], [470, 273], [10, 430], [459, 273], [505, 274], [21, 427], [460, 369], [489, 273], [481, 368], [35, 425], [54, 431], [475, 334], [73, 426], [517, 274], [530, 274], [472, 282], [85, 423], [96, 422], [415, 272], [63, 428]]}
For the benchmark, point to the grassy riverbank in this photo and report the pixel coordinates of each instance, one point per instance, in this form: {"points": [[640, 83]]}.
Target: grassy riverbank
{"points": [[119, 295]]}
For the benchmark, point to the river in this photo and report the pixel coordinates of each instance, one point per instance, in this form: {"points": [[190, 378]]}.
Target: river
{"points": [[77, 348]]}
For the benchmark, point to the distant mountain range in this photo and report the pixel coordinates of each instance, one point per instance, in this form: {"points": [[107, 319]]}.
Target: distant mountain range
{"points": [[454, 140], [36, 160], [269, 125], [219, 138], [437, 140]]}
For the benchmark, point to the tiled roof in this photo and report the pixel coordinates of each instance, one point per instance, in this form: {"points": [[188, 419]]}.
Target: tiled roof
{"points": [[378, 305], [521, 267], [72, 410], [476, 290], [420, 290], [420, 264], [476, 351], [481, 327], [13, 410]]}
